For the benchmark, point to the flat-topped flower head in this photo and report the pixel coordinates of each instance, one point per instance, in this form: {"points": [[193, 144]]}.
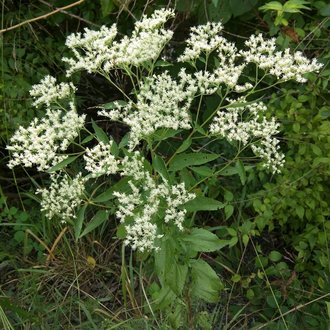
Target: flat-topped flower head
{"points": [[282, 64], [98, 51]]}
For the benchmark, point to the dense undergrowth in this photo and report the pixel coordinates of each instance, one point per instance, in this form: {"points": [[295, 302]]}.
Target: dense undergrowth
{"points": [[254, 250]]}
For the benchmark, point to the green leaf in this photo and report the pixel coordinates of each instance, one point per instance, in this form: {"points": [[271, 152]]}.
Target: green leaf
{"points": [[124, 141], [229, 210], [100, 134], [325, 111], [241, 171], [294, 6], [328, 308], [163, 134], [79, 222], [160, 167], [87, 139], [325, 11], [184, 160], [272, 5], [300, 211], [205, 282], [275, 256], [236, 278], [202, 170], [185, 145], [107, 7], [201, 203], [113, 105], [176, 277], [162, 63], [164, 258], [99, 218], [202, 240], [62, 164], [121, 186], [121, 231], [321, 160]]}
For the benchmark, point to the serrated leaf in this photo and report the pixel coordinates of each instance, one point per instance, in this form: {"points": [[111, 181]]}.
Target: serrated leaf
{"points": [[176, 277], [202, 240], [205, 282], [100, 134], [201, 203], [99, 218], [184, 160], [62, 164]]}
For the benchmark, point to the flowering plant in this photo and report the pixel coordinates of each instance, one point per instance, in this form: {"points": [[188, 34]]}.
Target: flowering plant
{"points": [[156, 175]]}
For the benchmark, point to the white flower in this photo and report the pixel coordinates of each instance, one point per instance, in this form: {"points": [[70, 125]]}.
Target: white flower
{"points": [[90, 50], [283, 65], [99, 160], [38, 144], [202, 39], [140, 210], [97, 51], [234, 125], [62, 197], [47, 91], [161, 103]]}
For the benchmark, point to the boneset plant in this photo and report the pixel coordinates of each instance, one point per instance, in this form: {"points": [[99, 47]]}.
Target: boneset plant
{"points": [[155, 178]]}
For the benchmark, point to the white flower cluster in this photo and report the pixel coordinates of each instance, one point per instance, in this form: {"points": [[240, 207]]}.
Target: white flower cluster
{"points": [[283, 65], [47, 91], [161, 103], [97, 51], [62, 197], [90, 49], [233, 125], [100, 161], [140, 209], [39, 143], [202, 39]]}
